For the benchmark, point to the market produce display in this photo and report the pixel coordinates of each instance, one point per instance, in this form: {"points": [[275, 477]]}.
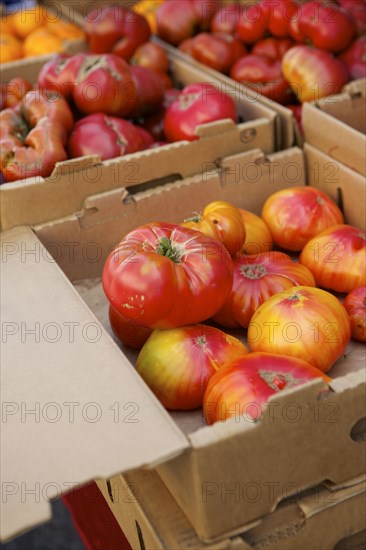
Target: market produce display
{"points": [[295, 331], [286, 50]]}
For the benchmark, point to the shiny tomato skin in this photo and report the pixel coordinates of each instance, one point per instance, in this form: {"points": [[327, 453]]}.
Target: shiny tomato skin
{"points": [[217, 51], [279, 14], [355, 58], [242, 388], [313, 73], [252, 24], [272, 47], [297, 214], [337, 258], [197, 104], [355, 304], [328, 26], [222, 221], [129, 333], [177, 364], [257, 278], [264, 75], [177, 21], [149, 91], [152, 56], [258, 237], [226, 19], [163, 276], [305, 322], [357, 9]]}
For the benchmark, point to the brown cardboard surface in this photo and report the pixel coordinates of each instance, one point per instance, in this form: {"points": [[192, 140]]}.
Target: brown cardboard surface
{"points": [[345, 186], [151, 518], [58, 362], [337, 125], [37, 200], [279, 456]]}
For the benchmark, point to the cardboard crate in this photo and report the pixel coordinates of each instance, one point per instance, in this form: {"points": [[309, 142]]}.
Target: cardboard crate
{"points": [[56, 355], [324, 518], [35, 200], [336, 125]]}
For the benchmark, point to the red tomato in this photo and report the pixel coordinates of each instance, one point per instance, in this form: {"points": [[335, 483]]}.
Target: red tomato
{"points": [[152, 56], [357, 9], [226, 19], [116, 29], [272, 47], [177, 364], [242, 388], [355, 304], [326, 25], [279, 14], [164, 276], [149, 91], [355, 58], [216, 51], [258, 237], [257, 278], [252, 24], [106, 136], [337, 258], [263, 74], [222, 221], [197, 104], [313, 73], [296, 214], [154, 123], [304, 322], [129, 333], [177, 21]]}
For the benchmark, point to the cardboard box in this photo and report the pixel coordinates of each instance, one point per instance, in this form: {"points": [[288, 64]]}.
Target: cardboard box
{"points": [[320, 519], [69, 392], [336, 125], [36, 200], [287, 133]]}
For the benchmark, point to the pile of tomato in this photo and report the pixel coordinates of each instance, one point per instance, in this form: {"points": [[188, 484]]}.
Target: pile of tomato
{"points": [[177, 291], [286, 50], [116, 99]]}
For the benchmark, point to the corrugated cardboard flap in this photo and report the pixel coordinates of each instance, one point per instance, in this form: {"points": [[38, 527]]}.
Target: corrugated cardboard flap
{"points": [[73, 407]]}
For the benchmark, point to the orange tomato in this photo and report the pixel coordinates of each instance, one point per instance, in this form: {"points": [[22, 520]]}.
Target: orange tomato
{"points": [[42, 42], [222, 221], [296, 214], [27, 20], [10, 48], [14, 91], [337, 258], [304, 322], [148, 9], [258, 237], [6, 24]]}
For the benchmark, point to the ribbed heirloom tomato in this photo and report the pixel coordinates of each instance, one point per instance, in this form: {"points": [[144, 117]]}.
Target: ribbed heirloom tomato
{"points": [[127, 331], [257, 278], [258, 237], [178, 363], [355, 304], [164, 276], [303, 322], [244, 385], [222, 221], [337, 258], [296, 214]]}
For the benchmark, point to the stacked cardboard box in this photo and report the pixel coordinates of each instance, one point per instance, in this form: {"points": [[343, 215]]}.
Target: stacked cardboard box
{"points": [[225, 477]]}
